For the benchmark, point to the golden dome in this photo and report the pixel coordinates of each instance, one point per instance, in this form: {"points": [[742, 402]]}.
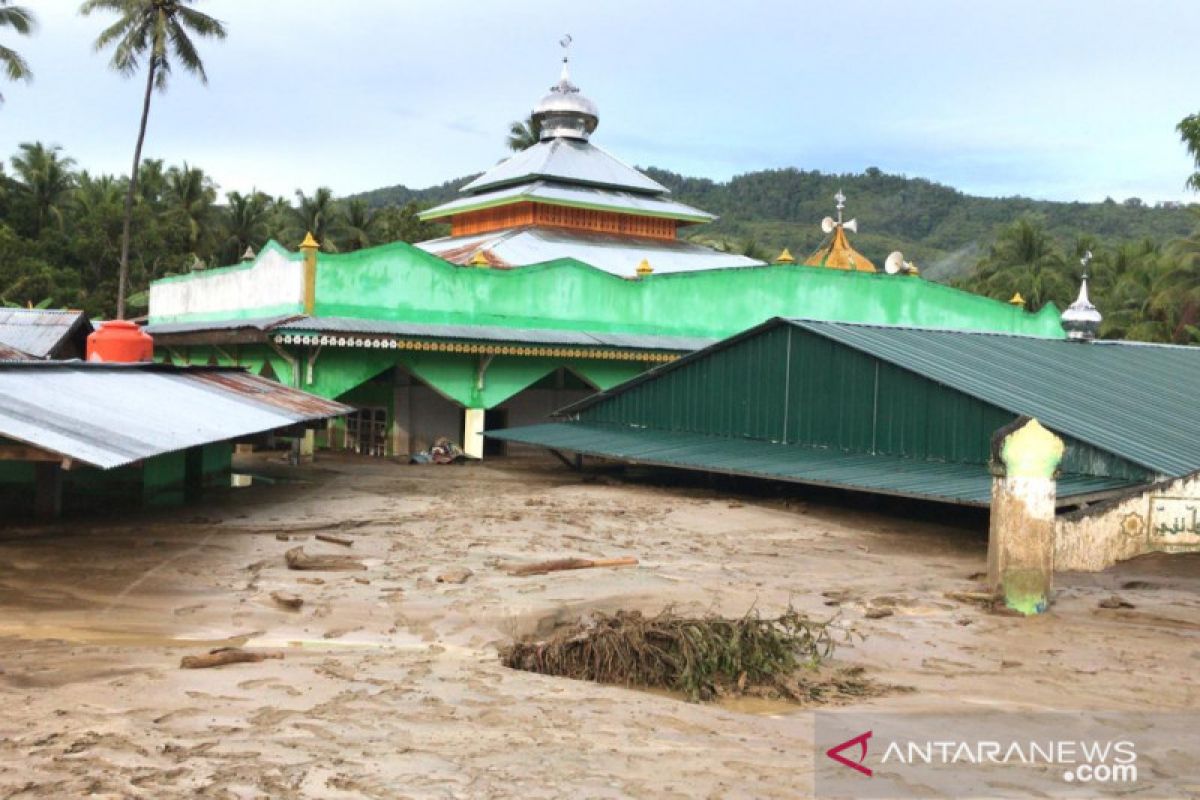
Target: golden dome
{"points": [[838, 254]]}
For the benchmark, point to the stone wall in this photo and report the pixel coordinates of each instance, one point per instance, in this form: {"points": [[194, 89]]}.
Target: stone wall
{"points": [[1163, 518]]}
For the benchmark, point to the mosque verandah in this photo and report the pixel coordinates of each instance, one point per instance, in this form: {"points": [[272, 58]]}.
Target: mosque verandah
{"points": [[563, 274]]}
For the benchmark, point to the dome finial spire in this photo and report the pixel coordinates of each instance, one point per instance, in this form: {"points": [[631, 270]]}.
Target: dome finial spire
{"points": [[565, 113], [1082, 320]]}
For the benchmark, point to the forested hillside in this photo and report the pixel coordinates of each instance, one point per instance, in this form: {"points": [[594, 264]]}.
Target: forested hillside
{"points": [[943, 230]]}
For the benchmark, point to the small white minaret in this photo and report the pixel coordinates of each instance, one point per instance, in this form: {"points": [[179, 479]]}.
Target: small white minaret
{"points": [[1082, 320]]}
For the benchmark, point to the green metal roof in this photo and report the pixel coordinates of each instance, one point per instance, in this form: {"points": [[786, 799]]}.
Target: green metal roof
{"points": [[966, 484], [1137, 401]]}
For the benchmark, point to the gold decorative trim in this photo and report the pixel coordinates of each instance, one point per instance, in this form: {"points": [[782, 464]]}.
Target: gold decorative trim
{"points": [[376, 342]]}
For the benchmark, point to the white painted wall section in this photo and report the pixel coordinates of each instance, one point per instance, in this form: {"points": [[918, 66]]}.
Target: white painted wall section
{"points": [[271, 283]]}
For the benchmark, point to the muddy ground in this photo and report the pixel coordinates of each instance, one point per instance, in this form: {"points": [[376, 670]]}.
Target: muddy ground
{"points": [[390, 685]]}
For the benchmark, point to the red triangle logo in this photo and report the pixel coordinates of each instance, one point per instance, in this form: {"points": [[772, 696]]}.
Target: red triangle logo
{"points": [[835, 753]]}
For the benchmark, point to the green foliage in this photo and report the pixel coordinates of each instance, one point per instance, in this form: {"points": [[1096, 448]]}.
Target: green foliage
{"points": [[523, 134], [22, 21], [61, 228], [1189, 133]]}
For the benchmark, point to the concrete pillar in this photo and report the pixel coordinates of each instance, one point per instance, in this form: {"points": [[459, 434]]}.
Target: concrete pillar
{"points": [[1025, 459], [473, 432], [47, 492], [308, 445]]}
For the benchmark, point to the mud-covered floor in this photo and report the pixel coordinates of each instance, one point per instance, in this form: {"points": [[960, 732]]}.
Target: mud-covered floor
{"points": [[390, 685]]}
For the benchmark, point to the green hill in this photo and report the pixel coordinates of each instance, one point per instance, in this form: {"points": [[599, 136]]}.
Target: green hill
{"points": [[944, 230]]}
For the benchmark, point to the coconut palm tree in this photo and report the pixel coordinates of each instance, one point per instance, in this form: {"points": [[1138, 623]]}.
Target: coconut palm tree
{"points": [[45, 181], [159, 33], [1024, 259], [22, 21], [190, 196], [358, 225], [318, 215], [1189, 134], [247, 217], [524, 133]]}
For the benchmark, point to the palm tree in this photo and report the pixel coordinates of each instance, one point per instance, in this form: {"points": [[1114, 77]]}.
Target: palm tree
{"points": [[246, 222], [158, 31], [45, 180], [190, 196], [358, 226], [1189, 134], [1024, 259], [23, 22], [317, 215], [524, 133]]}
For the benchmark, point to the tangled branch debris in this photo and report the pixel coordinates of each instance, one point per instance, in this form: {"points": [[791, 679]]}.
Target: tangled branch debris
{"points": [[700, 656]]}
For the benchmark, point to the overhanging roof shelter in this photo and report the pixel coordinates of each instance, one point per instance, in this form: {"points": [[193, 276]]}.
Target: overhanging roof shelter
{"points": [[112, 415], [45, 333], [896, 410]]}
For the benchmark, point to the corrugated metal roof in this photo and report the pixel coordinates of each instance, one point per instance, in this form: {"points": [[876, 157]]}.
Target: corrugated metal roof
{"points": [[39, 332], [12, 354], [619, 255], [255, 323], [967, 484], [111, 415], [576, 196], [566, 160], [494, 333], [1137, 401]]}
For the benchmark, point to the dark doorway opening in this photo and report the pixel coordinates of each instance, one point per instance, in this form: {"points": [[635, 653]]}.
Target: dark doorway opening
{"points": [[366, 431], [495, 419]]}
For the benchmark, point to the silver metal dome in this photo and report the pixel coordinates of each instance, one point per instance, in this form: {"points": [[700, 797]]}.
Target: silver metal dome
{"points": [[1082, 320], [565, 112]]}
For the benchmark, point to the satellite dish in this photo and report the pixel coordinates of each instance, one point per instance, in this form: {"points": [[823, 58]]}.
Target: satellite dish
{"points": [[851, 226], [827, 225]]}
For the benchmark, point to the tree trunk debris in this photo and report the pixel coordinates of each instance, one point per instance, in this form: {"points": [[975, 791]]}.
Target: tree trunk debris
{"points": [[288, 600], [298, 559], [558, 565], [222, 656], [329, 537]]}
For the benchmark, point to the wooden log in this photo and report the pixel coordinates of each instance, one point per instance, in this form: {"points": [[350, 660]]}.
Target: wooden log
{"points": [[298, 559], [329, 537], [288, 600], [558, 565], [222, 656]]}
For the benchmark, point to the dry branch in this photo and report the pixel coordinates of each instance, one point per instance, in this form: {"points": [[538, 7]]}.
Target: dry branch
{"points": [[298, 559], [558, 565], [222, 656], [287, 599], [329, 537]]}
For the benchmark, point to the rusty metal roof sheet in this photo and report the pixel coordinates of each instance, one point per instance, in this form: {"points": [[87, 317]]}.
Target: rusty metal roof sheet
{"points": [[965, 484], [12, 354], [114, 414], [40, 332]]}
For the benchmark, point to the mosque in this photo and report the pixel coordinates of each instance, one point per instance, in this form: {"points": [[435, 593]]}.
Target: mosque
{"points": [[564, 273]]}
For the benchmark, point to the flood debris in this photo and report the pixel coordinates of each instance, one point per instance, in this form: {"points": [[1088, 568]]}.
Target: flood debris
{"points": [[455, 575], [298, 559], [702, 657], [224, 655], [287, 599], [333, 539], [1115, 601], [561, 564]]}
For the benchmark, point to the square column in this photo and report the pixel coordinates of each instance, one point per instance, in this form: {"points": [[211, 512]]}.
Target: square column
{"points": [[1025, 459], [473, 432]]}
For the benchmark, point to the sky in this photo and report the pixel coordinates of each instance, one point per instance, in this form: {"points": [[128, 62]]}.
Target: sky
{"points": [[1052, 99]]}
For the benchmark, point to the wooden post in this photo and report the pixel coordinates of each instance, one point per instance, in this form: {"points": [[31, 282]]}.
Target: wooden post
{"points": [[1025, 459], [47, 494]]}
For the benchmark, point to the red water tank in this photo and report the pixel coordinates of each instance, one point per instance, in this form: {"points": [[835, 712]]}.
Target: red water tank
{"points": [[120, 341]]}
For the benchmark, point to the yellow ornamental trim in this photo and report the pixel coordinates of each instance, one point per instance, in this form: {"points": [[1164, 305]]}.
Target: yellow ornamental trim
{"points": [[644, 268], [1017, 300], [785, 257], [309, 242]]}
